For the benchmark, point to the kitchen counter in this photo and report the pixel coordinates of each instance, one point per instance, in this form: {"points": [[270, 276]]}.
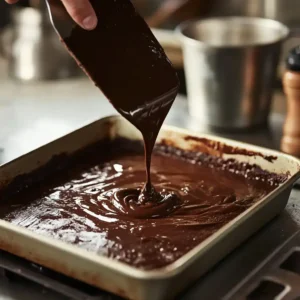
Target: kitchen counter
{"points": [[35, 113]]}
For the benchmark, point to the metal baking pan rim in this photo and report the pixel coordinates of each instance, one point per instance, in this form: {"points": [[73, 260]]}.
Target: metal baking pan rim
{"points": [[182, 263], [238, 144]]}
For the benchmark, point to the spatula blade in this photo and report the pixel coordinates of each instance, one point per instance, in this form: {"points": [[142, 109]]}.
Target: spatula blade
{"points": [[122, 50]]}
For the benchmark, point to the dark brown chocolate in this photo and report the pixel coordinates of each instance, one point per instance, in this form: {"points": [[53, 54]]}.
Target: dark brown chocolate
{"points": [[93, 204], [225, 149], [124, 59]]}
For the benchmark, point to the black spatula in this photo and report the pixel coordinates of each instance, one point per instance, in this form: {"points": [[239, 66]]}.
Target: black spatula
{"points": [[124, 59], [121, 55]]}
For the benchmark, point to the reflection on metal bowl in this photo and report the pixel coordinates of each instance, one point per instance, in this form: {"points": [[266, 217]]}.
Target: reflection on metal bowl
{"points": [[33, 50], [284, 11], [230, 67]]}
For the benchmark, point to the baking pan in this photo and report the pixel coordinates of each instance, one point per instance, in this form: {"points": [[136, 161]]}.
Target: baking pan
{"points": [[120, 278]]}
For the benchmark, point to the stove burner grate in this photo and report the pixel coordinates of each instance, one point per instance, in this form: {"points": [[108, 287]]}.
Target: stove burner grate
{"points": [[19, 269], [277, 278]]}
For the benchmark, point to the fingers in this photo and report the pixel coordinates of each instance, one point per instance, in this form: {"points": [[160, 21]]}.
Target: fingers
{"points": [[81, 12], [11, 1]]}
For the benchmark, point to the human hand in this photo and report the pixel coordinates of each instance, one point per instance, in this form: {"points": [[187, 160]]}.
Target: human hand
{"points": [[81, 12]]}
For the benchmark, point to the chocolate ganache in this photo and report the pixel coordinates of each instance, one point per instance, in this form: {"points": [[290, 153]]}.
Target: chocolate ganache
{"points": [[124, 59], [83, 203]]}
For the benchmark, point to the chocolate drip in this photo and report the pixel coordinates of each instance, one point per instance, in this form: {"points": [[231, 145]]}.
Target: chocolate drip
{"points": [[127, 63]]}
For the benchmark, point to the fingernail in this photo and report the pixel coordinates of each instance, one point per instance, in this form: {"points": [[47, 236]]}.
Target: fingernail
{"points": [[89, 22]]}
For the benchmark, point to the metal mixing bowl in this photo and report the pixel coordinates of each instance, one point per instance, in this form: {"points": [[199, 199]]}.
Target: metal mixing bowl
{"points": [[230, 67]]}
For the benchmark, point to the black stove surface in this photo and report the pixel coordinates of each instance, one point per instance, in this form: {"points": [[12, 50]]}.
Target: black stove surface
{"points": [[20, 271]]}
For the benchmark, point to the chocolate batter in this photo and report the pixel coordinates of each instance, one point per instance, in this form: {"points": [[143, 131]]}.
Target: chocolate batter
{"points": [[127, 63], [93, 204]]}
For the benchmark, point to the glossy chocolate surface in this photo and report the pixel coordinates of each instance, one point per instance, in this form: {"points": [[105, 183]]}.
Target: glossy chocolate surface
{"points": [[92, 201]]}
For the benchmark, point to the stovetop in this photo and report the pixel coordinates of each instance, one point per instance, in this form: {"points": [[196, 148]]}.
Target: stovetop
{"points": [[19, 271], [277, 277]]}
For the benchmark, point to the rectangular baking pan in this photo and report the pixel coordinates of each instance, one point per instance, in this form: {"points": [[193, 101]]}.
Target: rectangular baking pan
{"points": [[118, 277]]}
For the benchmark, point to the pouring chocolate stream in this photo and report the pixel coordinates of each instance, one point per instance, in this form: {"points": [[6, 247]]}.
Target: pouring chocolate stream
{"points": [[124, 59]]}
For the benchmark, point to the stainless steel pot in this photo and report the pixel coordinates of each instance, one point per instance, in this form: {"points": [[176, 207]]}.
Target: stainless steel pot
{"points": [[33, 50], [230, 67], [284, 11]]}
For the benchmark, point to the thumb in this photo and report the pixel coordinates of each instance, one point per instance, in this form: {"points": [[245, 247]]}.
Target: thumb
{"points": [[81, 12], [11, 1]]}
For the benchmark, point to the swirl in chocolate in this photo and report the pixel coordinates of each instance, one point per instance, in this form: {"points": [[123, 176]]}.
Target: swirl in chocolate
{"points": [[128, 202]]}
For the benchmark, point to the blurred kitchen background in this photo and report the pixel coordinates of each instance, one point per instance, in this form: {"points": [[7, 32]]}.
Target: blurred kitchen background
{"points": [[43, 94]]}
